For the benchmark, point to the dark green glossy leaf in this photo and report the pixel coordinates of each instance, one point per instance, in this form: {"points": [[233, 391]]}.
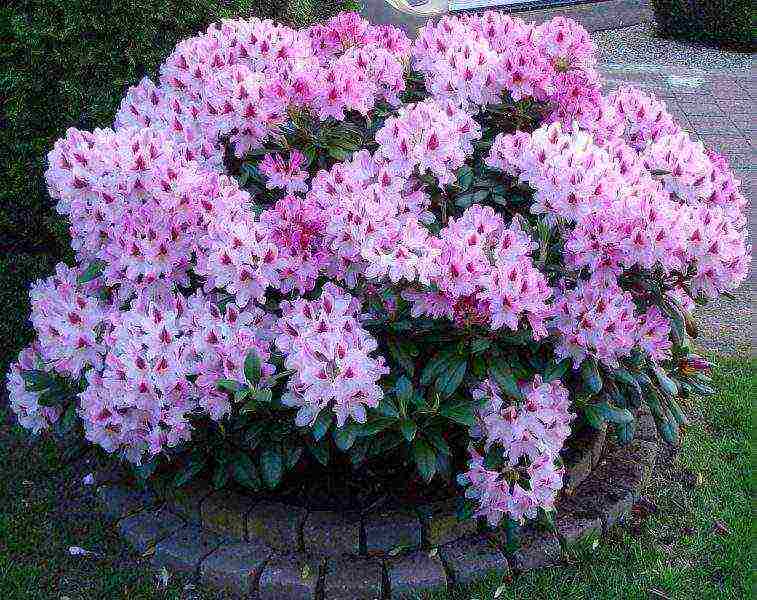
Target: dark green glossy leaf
{"points": [[272, 466], [190, 471], [504, 378], [590, 375], [425, 459], [408, 429], [252, 367], [557, 370], [448, 382], [386, 408], [345, 436], [245, 472], [460, 413], [93, 271], [322, 424]]}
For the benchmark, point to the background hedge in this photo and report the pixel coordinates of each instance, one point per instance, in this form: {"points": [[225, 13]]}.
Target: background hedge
{"points": [[730, 22], [67, 63]]}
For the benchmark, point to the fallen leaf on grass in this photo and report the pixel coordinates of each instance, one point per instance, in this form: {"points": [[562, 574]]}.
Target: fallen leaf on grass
{"points": [[655, 593]]}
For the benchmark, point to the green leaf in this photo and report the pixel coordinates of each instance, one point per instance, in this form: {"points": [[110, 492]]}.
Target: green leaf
{"points": [[448, 382], [438, 363], [374, 426], [437, 441], [292, 456], [386, 408], [460, 413], [409, 429], [245, 472], [593, 416], [252, 367], [93, 271], [613, 414], [321, 452], [265, 395], [229, 385], [403, 357], [36, 380], [345, 436], [666, 383], [668, 430], [556, 370], [221, 475], [404, 389], [322, 424], [272, 466], [190, 471], [590, 374], [425, 459], [504, 378], [69, 419], [480, 345], [678, 414], [464, 177]]}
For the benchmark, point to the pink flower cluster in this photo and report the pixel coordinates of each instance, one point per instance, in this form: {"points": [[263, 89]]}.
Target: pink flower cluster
{"points": [[481, 58], [25, 403], [530, 436], [426, 137], [330, 354], [483, 274]]}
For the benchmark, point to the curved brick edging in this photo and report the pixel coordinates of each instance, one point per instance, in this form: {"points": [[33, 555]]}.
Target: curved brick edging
{"points": [[319, 555]]}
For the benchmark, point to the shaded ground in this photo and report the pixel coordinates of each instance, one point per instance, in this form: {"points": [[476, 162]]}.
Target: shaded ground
{"points": [[690, 537]]}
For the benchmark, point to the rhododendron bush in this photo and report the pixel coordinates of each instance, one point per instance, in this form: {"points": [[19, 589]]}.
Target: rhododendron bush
{"points": [[337, 245]]}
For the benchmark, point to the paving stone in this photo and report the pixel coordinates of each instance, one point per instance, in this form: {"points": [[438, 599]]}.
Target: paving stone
{"points": [[328, 533], [353, 579], [416, 571], [573, 530], [226, 513], [289, 577], [471, 558], [441, 525], [119, 501], [276, 524], [148, 527], [386, 530], [537, 549], [235, 566], [184, 550]]}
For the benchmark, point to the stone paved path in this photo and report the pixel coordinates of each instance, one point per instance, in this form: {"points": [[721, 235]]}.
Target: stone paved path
{"points": [[714, 101]]}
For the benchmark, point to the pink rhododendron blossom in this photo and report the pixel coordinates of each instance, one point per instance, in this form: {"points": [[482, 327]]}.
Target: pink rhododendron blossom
{"points": [[330, 352], [67, 317], [25, 403], [484, 273], [283, 174], [428, 138], [536, 431]]}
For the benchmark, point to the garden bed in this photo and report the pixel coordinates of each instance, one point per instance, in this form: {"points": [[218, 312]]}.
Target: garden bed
{"points": [[283, 550]]}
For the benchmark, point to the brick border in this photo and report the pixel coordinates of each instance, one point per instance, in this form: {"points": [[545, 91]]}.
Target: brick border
{"points": [[280, 552]]}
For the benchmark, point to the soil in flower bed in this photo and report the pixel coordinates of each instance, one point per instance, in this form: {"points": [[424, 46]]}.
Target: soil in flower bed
{"points": [[390, 484]]}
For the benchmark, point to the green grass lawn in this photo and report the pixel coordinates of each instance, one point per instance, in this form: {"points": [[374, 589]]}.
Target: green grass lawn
{"points": [[692, 538]]}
